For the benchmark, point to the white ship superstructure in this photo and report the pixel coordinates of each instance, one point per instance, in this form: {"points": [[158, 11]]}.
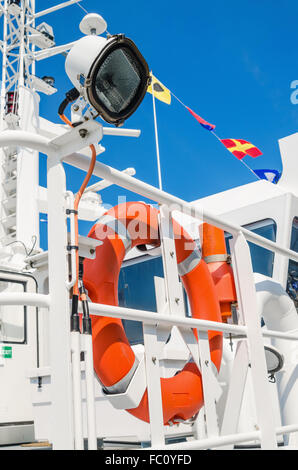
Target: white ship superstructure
{"points": [[50, 392]]}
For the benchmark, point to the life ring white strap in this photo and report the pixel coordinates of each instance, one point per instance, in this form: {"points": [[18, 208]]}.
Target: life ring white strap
{"points": [[190, 263], [122, 385], [118, 228], [184, 267], [216, 258]]}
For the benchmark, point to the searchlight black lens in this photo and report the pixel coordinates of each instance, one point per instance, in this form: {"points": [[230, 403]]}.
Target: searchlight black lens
{"points": [[117, 90], [118, 80]]}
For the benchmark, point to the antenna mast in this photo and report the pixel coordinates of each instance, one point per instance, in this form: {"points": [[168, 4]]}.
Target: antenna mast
{"points": [[19, 173], [19, 109]]}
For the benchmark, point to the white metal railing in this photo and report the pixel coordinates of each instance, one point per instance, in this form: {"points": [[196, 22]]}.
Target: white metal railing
{"points": [[23, 298], [152, 318], [253, 333], [225, 440], [161, 197], [60, 149], [125, 181]]}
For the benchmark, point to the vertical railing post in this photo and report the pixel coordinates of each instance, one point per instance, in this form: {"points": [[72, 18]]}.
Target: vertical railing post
{"points": [[208, 384], [62, 432], [236, 390], [87, 347], [153, 385], [152, 340], [173, 289], [248, 309]]}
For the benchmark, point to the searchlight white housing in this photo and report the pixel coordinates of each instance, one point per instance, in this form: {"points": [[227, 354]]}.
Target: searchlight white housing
{"points": [[111, 74]]}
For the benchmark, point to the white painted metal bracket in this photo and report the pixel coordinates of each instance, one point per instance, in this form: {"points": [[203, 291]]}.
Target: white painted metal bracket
{"points": [[173, 290], [208, 382], [236, 391], [87, 247], [78, 137], [153, 384], [248, 308], [134, 393], [193, 346]]}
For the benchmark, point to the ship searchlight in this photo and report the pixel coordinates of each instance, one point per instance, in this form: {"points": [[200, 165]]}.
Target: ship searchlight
{"points": [[110, 73]]}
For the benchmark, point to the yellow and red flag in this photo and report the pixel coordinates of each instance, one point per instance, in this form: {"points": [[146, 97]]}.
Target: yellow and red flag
{"points": [[240, 148]]}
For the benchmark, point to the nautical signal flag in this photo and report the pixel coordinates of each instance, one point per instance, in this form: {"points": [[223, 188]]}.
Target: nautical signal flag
{"points": [[240, 148], [160, 91], [205, 124], [270, 175]]}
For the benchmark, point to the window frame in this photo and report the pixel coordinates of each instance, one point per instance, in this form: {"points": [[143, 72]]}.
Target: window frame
{"points": [[25, 340]]}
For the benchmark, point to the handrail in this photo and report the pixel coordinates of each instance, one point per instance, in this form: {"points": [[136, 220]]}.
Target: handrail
{"points": [[32, 300], [170, 320], [224, 440], [159, 318], [27, 140], [37, 142], [146, 190], [43, 300]]}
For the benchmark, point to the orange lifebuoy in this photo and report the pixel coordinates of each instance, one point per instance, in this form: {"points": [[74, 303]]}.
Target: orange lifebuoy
{"points": [[122, 228], [215, 255]]}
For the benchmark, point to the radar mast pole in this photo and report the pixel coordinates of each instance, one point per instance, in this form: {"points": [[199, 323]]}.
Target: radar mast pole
{"points": [[19, 168]]}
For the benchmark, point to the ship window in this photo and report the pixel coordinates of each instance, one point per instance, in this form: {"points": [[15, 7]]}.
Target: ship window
{"points": [[12, 317], [136, 281], [262, 259], [292, 285], [136, 290]]}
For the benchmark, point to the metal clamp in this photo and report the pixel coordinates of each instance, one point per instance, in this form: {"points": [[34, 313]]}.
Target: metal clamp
{"points": [[71, 211], [72, 247]]}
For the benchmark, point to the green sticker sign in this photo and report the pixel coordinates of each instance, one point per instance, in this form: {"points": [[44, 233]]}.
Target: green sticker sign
{"points": [[6, 352]]}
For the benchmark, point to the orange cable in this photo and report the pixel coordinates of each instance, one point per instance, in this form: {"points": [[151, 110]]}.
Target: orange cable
{"points": [[77, 202]]}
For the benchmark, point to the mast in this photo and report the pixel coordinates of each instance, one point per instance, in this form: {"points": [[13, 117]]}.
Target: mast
{"points": [[19, 220]]}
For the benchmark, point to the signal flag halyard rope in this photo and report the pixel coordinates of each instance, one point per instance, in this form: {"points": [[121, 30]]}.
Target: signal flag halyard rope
{"points": [[210, 127], [238, 147], [84, 9], [156, 142]]}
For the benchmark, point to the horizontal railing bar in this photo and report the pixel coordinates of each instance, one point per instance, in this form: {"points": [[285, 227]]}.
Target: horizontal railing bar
{"points": [[280, 335], [27, 140], [287, 335], [139, 187], [30, 140], [42, 300], [32, 300], [202, 325], [224, 440], [211, 442], [288, 429], [154, 318]]}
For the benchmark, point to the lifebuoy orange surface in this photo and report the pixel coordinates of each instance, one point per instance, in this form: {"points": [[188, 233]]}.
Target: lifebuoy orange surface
{"points": [[122, 228], [215, 255]]}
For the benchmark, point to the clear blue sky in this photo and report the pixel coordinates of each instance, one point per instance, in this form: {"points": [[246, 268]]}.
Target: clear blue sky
{"points": [[232, 62]]}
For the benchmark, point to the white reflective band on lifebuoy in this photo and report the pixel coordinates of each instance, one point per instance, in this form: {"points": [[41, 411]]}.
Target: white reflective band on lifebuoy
{"points": [[216, 258], [190, 263], [122, 385], [118, 228]]}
